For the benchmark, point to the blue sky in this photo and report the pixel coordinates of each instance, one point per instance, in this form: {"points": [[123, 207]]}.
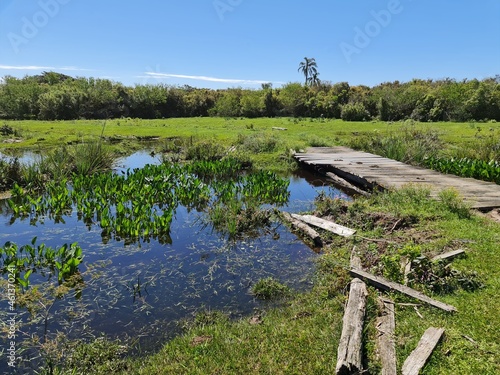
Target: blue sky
{"points": [[231, 43]]}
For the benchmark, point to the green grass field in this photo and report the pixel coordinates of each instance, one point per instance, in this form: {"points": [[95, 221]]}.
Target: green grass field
{"points": [[301, 132]]}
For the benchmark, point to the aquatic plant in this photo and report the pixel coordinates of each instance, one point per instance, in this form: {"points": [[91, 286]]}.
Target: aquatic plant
{"points": [[466, 167], [31, 258], [140, 204]]}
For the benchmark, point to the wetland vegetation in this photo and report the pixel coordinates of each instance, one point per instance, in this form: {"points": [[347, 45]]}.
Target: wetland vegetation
{"points": [[180, 265]]}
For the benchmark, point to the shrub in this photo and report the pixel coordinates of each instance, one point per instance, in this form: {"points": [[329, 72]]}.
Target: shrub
{"points": [[354, 112], [258, 143], [454, 203], [206, 151]]}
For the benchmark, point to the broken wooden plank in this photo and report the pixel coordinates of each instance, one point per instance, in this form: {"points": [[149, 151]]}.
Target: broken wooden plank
{"points": [[384, 284], [303, 227], [355, 259], [449, 255], [418, 358], [346, 184], [349, 354], [386, 346], [406, 267], [325, 224]]}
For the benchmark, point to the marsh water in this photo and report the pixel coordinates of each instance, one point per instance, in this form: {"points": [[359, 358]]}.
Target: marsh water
{"points": [[143, 290]]}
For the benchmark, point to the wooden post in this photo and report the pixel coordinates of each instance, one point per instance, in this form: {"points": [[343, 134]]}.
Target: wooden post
{"points": [[386, 347], [384, 284], [349, 354], [417, 359]]}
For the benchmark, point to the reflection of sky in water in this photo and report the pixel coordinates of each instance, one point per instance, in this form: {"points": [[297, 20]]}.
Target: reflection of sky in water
{"points": [[198, 270]]}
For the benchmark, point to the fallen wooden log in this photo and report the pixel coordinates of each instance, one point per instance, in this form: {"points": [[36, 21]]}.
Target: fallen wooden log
{"points": [[325, 224], [417, 358], [386, 346], [303, 227], [449, 255], [278, 128], [346, 184], [384, 284], [349, 354]]}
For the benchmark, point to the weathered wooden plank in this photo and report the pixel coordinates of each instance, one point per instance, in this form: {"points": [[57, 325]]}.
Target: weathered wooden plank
{"points": [[346, 184], [449, 255], [304, 228], [355, 260], [386, 345], [418, 358], [384, 284], [325, 224], [349, 354]]}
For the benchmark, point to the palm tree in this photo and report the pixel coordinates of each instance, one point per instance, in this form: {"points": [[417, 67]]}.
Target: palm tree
{"points": [[308, 67], [314, 79]]}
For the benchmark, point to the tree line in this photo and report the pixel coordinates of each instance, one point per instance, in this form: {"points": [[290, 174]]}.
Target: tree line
{"points": [[55, 96]]}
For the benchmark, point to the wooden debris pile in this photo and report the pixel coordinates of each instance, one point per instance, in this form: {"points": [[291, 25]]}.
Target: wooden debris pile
{"points": [[349, 354]]}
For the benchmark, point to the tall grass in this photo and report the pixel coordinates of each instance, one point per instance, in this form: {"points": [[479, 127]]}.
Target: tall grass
{"points": [[409, 143], [10, 172], [485, 146], [91, 157]]}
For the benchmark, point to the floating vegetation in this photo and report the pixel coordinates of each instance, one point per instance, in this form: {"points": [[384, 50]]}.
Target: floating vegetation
{"points": [[28, 259], [139, 205]]}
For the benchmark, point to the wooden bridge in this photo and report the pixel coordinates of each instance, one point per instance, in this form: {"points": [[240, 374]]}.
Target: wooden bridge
{"points": [[370, 171]]}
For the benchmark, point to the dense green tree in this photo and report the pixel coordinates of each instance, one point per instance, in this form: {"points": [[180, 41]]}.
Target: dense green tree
{"points": [[252, 103], [293, 97], [228, 104], [53, 96]]}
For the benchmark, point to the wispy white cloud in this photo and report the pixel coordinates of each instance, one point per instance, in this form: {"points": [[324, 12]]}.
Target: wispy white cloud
{"points": [[37, 67], [25, 67], [203, 78]]}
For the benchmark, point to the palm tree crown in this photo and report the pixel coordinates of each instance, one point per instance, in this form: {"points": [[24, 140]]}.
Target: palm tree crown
{"points": [[309, 68]]}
